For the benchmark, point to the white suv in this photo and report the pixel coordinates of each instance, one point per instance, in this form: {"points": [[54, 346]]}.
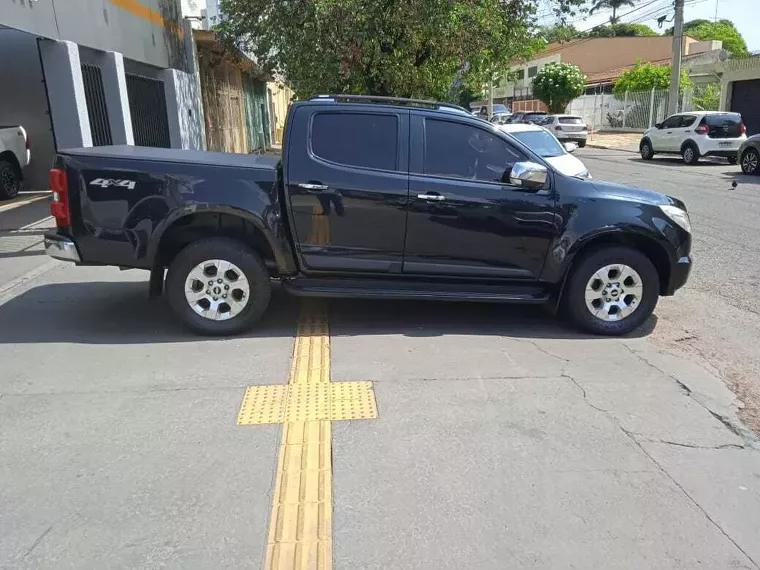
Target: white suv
{"points": [[697, 134]]}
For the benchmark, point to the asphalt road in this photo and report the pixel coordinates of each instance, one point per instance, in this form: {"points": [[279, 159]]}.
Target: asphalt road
{"points": [[716, 317], [503, 438]]}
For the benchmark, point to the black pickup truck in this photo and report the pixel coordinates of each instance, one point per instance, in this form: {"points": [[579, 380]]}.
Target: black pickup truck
{"points": [[373, 198]]}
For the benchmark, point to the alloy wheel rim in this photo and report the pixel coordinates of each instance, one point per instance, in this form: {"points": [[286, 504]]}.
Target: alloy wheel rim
{"points": [[688, 155], [645, 149], [614, 292], [750, 162], [217, 290]]}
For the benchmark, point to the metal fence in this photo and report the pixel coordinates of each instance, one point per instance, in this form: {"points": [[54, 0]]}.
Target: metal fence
{"points": [[636, 111], [147, 104], [97, 111]]}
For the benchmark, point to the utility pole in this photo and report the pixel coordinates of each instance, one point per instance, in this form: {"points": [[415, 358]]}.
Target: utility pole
{"points": [[675, 72], [490, 97]]}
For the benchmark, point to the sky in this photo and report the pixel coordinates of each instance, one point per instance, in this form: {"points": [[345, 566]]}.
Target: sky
{"points": [[743, 13]]}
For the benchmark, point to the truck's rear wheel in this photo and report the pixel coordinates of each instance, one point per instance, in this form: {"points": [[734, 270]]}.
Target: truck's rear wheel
{"points": [[10, 180], [612, 291], [218, 286]]}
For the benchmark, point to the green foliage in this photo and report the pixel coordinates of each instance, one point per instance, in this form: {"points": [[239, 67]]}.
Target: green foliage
{"points": [[621, 30], [723, 30], [424, 48], [614, 4], [706, 97], [645, 76], [556, 84], [559, 33]]}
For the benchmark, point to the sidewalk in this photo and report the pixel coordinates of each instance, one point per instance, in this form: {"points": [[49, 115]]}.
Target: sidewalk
{"points": [[615, 141]]}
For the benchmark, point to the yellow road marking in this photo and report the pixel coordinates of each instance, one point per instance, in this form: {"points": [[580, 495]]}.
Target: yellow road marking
{"points": [[19, 203], [300, 523]]}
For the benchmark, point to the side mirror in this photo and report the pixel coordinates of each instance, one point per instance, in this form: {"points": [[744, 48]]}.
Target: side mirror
{"points": [[658, 125], [570, 146], [528, 175]]}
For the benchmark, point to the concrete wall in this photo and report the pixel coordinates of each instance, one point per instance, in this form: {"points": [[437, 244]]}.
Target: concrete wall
{"points": [[148, 31], [737, 70], [184, 109], [23, 101]]}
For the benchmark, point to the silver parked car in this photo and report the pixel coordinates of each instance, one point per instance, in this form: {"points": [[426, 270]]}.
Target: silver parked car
{"points": [[749, 155]]}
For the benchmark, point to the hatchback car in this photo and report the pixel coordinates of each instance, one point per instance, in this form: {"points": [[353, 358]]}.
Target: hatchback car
{"points": [[694, 135], [749, 155], [567, 128], [544, 144]]}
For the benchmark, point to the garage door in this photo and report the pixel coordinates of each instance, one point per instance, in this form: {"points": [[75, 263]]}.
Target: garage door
{"points": [[745, 99]]}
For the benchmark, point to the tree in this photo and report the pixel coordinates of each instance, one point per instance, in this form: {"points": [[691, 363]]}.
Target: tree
{"points": [[424, 48], [614, 4], [645, 77], [559, 33], [557, 84], [723, 30], [621, 30]]}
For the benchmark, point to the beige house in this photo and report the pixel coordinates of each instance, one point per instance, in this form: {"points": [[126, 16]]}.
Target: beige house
{"points": [[602, 60]]}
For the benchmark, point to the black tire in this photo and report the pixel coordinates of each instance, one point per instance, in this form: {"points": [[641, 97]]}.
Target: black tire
{"points": [[10, 180], [733, 159], [690, 153], [750, 161], [226, 249], [574, 300], [646, 150], [581, 144]]}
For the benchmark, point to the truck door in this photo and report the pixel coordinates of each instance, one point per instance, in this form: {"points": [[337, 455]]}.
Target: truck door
{"points": [[348, 185], [465, 218]]}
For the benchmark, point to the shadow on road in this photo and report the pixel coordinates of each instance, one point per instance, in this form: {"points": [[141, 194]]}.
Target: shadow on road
{"points": [[120, 313]]}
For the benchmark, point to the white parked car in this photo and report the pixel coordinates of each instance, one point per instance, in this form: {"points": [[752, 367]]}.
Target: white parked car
{"points": [[694, 135], [567, 128], [14, 157], [546, 145]]}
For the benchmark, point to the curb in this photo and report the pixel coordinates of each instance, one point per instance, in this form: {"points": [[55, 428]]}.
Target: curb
{"points": [[607, 147]]}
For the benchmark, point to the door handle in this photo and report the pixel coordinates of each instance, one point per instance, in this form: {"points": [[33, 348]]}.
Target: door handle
{"points": [[687, 131], [431, 197], [309, 186], [669, 133]]}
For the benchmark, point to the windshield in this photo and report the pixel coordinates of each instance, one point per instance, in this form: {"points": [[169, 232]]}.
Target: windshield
{"points": [[540, 142]]}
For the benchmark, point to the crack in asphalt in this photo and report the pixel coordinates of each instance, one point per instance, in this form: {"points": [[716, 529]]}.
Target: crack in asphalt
{"points": [[747, 435], [638, 443]]}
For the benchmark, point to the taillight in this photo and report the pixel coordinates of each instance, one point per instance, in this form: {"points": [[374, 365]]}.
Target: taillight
{"points": [[742, 129], [59, 207], [702, 130], [26, 137]]}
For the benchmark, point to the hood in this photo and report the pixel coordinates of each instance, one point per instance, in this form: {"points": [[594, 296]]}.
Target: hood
{"points": [[567, 164], [622, 192]]}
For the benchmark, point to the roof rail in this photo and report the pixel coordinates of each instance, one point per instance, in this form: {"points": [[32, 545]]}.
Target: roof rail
{"points": [[388, 100]]}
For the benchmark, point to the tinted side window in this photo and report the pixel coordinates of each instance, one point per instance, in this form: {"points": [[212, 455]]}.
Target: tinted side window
{"points": [[671, 122], [355, 139], [687, 120], [462, 151]]}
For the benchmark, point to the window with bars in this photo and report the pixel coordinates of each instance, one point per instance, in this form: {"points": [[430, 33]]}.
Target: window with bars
{"points": [[97, 111]]}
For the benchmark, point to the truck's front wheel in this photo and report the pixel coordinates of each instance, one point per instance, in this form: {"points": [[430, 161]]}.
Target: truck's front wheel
{"points": [[218, 286]]}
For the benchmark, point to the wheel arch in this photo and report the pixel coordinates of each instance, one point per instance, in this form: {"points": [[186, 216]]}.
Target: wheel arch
{"points": [[647, 245], [187, 225], [11, 157], [690, 142]]}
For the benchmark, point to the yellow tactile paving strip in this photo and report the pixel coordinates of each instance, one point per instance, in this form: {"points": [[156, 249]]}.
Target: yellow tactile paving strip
{"points": [[300, 526]]}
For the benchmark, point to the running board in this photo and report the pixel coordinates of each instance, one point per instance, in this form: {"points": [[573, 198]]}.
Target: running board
{"points": [[382, 289]]}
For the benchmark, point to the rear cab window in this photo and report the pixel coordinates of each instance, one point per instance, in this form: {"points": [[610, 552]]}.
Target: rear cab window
{"points": [[364, 140]]}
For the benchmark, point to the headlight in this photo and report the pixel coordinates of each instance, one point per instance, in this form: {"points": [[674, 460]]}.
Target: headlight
{"points": [[678, 216]]}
